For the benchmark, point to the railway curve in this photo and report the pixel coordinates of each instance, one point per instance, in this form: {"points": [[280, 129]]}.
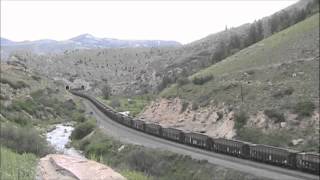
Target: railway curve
{"points": [[128, 135]]}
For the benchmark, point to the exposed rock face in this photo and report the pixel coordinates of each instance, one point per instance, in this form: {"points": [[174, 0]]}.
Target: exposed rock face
{"points": [[215, 121], [55, 166], [218, 120]]}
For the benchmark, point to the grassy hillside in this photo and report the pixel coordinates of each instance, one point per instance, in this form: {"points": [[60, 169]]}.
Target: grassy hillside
{"points": [[278, 76], [17, 166], [287, 61]]}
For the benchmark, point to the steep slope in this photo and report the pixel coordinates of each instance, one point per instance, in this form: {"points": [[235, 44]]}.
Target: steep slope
{"points": [[275, 82]]}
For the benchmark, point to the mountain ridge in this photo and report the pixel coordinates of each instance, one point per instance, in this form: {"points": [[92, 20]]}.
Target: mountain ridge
{"points": [[83, 41]]}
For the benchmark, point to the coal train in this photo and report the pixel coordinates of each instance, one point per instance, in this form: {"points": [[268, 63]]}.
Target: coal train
{"points": [[304, 161]]}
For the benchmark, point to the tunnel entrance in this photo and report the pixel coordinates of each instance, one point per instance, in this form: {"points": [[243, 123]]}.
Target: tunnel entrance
{"points": [[82, 87], [67, 88]]}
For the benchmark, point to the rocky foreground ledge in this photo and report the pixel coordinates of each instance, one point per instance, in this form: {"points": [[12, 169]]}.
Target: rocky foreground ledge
{"points": [[64, 167]]}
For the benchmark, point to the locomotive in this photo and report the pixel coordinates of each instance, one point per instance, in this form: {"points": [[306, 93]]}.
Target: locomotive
{"points": [[303, 161]]}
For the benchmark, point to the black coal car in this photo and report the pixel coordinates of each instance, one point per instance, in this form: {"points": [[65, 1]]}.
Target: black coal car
{"points": [[173, 134], [273, 155], [138, 124], [198, 140], [309, 162], [232, 147], [152, 128], [127, 121]]}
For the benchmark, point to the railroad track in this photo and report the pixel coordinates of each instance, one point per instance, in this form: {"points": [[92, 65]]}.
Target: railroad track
{"points": [[128, 135]]}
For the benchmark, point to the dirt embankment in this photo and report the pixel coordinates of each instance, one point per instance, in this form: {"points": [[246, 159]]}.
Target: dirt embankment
{"points": [[63, 167]]}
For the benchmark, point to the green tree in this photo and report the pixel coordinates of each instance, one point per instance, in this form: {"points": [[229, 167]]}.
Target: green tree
{"points": [[106, 91]]}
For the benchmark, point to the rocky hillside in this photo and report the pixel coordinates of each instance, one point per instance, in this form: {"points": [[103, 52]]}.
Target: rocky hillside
{"points": [[139, 70], [266, 93], [127, 70]]}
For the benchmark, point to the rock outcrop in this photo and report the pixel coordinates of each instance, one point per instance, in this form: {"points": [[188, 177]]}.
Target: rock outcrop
{"points": [[63, 167], [215, 121]]}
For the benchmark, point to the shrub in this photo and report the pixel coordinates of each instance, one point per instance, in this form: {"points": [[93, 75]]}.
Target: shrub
{"points": [[304, 108], [3, 97], [220, 115], [275, 115], [194, 106], [16, 117], [37, 78], [106, 91], [24, 140], [69, 105], [115, 103], [20, 85], [79, 117], [183, 81], [98, 148], [83, 129], [37, 94], [240, 119], [253, 135], [201, 79], [130, 101], [27, 104], [184, 106], [284, 92], [15, 85]]}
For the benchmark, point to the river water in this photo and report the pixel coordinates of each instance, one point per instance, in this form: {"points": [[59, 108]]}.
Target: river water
{"points": [[60, 137]]}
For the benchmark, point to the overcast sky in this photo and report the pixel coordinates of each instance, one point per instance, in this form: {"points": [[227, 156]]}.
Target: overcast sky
{"points": [[182, 21]]}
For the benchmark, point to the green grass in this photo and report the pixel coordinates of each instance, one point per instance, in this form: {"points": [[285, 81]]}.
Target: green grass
{"points": [[135, 105], [134, 175], [16, 166]]}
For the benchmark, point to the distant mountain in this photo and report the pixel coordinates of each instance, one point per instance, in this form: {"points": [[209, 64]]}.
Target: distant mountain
{"points": [[88, 40], [5, 42], [84, 41]]}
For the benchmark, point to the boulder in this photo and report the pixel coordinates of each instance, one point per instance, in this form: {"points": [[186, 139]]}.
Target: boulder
{"points": [[57, 166]]}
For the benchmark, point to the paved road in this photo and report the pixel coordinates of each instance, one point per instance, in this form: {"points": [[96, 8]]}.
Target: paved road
{"points": [[128, 135]]}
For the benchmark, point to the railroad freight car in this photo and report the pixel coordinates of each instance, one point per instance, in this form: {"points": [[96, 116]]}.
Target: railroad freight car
{"points": [[138, 124], [154, 129], [126, 120], [232, 147], [309, 162], [198, 140], [273, 155], [173, 134]]}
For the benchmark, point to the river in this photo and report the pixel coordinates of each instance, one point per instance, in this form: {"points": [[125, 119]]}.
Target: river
{"points": [[60, 137]]}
